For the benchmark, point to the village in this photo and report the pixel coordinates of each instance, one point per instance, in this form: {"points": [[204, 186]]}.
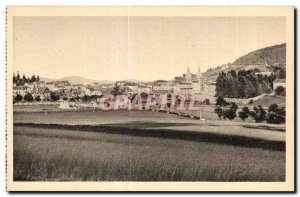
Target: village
{"points": [[188, 84], [33, 90]]}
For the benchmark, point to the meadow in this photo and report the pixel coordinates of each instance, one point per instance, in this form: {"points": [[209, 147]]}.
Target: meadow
{"points": [[42, 154], [143, 146]]}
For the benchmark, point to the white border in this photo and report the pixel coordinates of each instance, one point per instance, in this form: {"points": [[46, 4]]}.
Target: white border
{"points": [[5, 3]]}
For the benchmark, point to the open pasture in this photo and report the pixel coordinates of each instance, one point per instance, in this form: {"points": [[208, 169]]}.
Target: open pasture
{"points": [[42, 154], [143, 146]]}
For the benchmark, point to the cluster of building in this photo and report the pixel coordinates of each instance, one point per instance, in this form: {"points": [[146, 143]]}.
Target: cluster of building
{"points": [[61, 88], [188, 84]]}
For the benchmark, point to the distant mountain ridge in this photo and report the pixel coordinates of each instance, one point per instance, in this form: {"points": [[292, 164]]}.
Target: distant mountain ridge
{"points": [[263, 59], [77, 80]]}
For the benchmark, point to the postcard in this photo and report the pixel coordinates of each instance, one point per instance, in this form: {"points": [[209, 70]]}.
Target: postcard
{"points": [[150, 99]]}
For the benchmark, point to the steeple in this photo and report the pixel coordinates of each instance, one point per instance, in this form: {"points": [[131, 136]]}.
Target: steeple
{"points": [[188, 76], [199, 72]]}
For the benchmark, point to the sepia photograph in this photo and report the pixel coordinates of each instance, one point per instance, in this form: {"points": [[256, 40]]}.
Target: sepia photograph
{"points": [[150, 98]]}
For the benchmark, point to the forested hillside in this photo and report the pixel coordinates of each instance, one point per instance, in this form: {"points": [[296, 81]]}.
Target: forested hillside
{"points": [[273, 56], [243, 84]]}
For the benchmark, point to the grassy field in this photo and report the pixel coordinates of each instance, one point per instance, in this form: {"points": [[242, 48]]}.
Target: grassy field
{"points": [[143, 146], [35, 108], [154, 121], [42, 154], [268, 100]]}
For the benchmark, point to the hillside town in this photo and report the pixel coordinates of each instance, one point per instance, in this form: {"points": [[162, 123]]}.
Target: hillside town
{"points": [[189, 84]]}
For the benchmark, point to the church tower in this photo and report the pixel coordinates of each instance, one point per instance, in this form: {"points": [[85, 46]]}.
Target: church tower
{"points": [[188, 76], [199, 75]]}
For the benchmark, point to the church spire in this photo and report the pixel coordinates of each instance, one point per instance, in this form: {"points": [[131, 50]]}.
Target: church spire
{"points": [[199, 72], [188, 76]]}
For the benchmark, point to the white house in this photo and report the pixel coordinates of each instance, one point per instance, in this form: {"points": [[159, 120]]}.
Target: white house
{"points": [[96, 93], [52, 87], [144, 89], [135, 89], [43, 92], [88, 91], [41, 83], [183, 89], [22, 90]]}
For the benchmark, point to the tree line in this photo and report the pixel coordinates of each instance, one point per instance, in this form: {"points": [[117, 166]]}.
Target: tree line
{"points": [[274, 114], [28, 97], [18, 80], [243, 84]]}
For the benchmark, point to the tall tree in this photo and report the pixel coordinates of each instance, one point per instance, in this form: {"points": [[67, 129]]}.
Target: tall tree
{"points": [[33, 79], [24, 79], [18, 76], [14, 78]]}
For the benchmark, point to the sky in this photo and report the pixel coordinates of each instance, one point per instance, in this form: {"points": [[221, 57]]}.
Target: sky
{"points": [[141, 48]]}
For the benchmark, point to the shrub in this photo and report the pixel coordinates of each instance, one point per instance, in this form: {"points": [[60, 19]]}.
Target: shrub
{"points": [[258, 113], [244, 114], [72, 99], [95, 97], [281, 116], [219, 111], [54, 96], [280, 91], [38, 98], [86, 98], [231, 112], [276, 115], [18, 98], [221, 101], [28, 97], [251, 102], [206, 102]]}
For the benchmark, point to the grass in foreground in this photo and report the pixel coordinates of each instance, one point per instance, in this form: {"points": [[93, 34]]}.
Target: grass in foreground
{"points": [[66, 155]]}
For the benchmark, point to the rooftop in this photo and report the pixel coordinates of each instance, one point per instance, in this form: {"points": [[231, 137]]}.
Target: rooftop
{"points": [[279, 80], [19, 88]]}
